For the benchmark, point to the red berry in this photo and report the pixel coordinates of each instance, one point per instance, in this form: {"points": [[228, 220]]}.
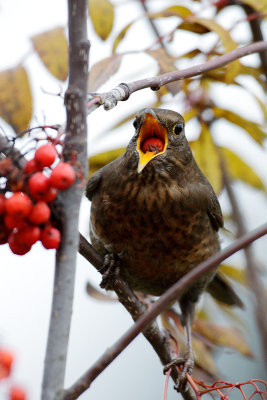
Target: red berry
{"points": [[62, 176], [4, 232], [153, 145], [29, 235], [45, 155], [19, 205], [38, 185], [11, 221], [31, 166], [40, 213], [17, 393], [16, 246], [6, 358], [2, 204], [51, 237], [50, 195]]}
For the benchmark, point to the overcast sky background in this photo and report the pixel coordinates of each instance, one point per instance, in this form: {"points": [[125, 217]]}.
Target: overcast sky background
{"points": [[26, 282]]}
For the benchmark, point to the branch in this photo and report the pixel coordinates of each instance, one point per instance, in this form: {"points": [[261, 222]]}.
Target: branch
{"points": [[174, 293], [123, 91], [75, 144], [252, 273]]}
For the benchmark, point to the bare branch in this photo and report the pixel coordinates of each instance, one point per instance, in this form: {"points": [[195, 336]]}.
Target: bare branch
{"points": [[123, 91], [75, 145], [174, 293]]}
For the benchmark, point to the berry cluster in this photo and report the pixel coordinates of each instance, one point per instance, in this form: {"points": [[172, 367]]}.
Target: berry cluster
{"points": [[6, 363], [25, 216]]}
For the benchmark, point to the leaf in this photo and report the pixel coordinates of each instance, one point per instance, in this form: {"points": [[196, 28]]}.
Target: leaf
{"points": [[178, 11], [228, 43], [207, 157], [257, 74], [238, 169], [190, 114], [103, 70], [193, 27], [166, 64], [99, 160], [258, 5], [101, 13], [121, 36], [15, 98], [251, 127], [52, 48], [234, 273], [222, 336]]}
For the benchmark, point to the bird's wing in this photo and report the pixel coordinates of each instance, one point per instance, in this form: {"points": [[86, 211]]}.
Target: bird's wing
{"points": [[214, 212], [93, 184]]}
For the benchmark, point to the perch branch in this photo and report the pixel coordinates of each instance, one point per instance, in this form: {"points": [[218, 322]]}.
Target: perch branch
{"points": [[75, 145], [123, 91], [170, 295]]}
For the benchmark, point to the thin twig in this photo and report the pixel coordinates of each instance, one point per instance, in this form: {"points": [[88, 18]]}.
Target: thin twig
{"points": [[175, 292], [75, 141], [124, 90]]}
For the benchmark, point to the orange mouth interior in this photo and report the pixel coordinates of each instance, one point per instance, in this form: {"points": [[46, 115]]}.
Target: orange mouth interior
{"points": [[152, 141]]}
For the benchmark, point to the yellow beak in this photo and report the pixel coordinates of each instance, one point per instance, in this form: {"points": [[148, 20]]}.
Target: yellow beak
{"points": [[150, 129]]}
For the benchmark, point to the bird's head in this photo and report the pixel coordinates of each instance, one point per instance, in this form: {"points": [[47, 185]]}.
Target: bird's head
{"points": [[159, 132]]}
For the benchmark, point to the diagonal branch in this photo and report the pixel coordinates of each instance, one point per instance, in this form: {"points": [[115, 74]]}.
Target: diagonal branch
{"points": [[175, 292], [75, 145], [123, 91]]}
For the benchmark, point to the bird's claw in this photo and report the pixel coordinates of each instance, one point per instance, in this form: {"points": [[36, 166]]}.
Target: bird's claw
{"points": [[110, 270], [188, 364]]}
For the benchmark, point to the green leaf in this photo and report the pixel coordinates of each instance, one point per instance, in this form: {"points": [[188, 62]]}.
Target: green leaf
{"points": [[207, 158], [103, 70], [99, 160], [251, 127], [52, 49], [121, 36], [238, 169], [101, 13], [15, 98]]}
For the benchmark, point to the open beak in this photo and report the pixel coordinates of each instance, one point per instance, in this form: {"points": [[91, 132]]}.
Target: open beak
{"points": [[152, 141]]}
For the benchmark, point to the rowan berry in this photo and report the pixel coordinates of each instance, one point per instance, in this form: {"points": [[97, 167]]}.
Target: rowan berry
{"points": [[19, 204], [6, 358], [4, 232], [16, 246], [50, 195], [12, 221], [2, 203], [45, 155], [31, 166], [29, 235], [40, 213], [62, 176], [17, 393], [38, 185], [51, 237]]}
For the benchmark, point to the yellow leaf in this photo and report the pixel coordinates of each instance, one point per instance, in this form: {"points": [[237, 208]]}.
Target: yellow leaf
{"points": [[101, 13], [193, 27], [52, 48], [222, 336], [166, 64], [234, 273], [99, 160], [258, 5], [228, 43], [15, 98], [257, 74], [238, 169], [178, 11], [120, 36], [207, 158], [102, 70], [190, 114], [251, 127]]}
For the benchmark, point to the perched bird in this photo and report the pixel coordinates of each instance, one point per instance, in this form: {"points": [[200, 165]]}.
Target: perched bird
{"points": [[155, 211]]}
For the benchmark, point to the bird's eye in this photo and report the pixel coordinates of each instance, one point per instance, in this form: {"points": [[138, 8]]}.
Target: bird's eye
{"points": [[135, 123], [178, 128]]}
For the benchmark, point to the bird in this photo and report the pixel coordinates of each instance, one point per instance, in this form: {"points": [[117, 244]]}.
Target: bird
{"points": [[154, 211]]}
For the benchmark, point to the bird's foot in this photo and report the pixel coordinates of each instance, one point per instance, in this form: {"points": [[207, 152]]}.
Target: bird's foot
{"points": [[110, 270], [187, 362]]}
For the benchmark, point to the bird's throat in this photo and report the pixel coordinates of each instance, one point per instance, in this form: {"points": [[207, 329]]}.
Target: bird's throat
{"points": [[152, 141]]}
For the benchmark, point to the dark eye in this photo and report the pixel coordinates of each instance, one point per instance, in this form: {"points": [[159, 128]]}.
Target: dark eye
{"points": [[178, 128], [135, 123]]}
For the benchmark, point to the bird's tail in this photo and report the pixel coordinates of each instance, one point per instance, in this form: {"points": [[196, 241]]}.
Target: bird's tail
{"points": [[221, 290]]}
